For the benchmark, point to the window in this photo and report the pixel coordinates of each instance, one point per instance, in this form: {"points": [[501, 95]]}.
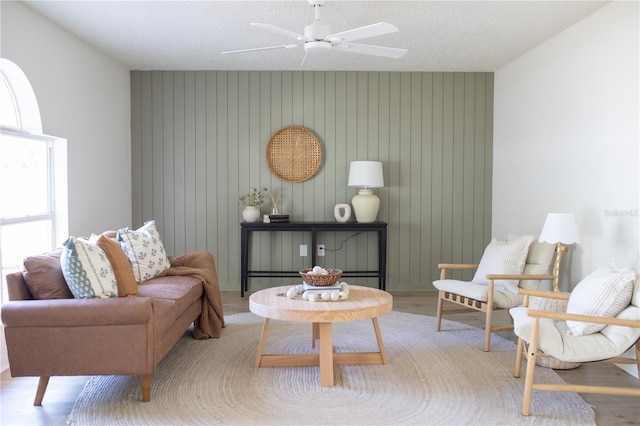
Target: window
{"points": [[32, 180]]}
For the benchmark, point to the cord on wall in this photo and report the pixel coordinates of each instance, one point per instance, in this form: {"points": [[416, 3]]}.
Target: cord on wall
{"points": [[344, 241]]}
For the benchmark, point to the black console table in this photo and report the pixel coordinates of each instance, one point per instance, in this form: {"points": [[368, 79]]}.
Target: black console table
{"points": [[313, 227]]}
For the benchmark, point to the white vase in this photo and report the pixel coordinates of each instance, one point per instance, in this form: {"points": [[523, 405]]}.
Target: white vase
{"points": [[342, 212], [251, 213]]}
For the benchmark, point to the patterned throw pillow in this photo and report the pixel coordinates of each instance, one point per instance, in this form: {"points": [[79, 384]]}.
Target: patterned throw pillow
{"points": [[504, 257], [603, 293], [87, 270], [145, 251]]}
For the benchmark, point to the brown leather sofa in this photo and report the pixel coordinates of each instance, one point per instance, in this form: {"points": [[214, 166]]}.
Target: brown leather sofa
{"points": [[114, 336]]}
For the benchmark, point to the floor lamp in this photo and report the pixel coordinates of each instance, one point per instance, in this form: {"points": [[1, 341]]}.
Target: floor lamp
{"points": [[559, 229]]}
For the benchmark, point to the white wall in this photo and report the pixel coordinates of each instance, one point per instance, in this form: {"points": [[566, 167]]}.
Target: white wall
{"points": [[84, 96], [566, 139]]}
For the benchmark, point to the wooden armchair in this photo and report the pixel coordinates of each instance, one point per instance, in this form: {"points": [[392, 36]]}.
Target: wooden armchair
{"points": [[544, 334], [488, 296]]}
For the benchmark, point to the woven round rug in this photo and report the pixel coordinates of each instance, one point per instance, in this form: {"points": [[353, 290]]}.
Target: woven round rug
{"points": [[441, 378]]}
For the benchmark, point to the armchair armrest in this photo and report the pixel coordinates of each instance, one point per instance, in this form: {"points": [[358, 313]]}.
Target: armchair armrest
{"points": [[583, 318], [77, 312], [519, 277], [444, 266], [457, 266], [545, 294]]}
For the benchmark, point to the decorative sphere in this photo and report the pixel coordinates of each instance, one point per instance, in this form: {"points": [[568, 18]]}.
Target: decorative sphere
{"points": [[312, 297], [325, 295], [335, 296]]}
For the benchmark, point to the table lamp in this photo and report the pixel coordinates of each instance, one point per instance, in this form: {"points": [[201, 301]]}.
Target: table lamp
{"points": [[559, 229], [366, 174]]}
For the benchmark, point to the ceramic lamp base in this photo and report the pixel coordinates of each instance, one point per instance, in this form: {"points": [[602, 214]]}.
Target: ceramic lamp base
{"points": [[365, 206]]}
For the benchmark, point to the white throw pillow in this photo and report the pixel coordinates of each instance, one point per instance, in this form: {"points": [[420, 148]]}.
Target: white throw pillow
{"points": [[87, 270], [504, 257], [145, 251], [603, 293]]}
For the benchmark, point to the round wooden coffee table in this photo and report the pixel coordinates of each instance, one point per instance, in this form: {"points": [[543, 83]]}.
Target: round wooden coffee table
{"points": [[363, 303]]}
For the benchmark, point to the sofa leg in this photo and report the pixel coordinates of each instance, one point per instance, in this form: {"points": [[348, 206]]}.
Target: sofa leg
{"points": [[146, 387], [42, 387]]}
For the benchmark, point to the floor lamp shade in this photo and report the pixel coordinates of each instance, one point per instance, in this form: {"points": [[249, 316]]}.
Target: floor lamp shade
{"points": [[560, 228], [366, 174]]}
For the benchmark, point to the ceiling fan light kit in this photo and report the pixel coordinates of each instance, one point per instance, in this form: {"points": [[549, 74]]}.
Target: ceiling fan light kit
{"points": [[318, 38]]}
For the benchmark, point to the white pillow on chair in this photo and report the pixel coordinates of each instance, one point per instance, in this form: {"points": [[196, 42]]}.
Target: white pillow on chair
{"points": [[603, 293], [504, 257]]}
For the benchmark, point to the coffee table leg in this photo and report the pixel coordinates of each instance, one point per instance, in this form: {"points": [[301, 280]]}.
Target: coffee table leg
{"points": [[263, 338], [376, 327], [314, 334], [326, 354]]}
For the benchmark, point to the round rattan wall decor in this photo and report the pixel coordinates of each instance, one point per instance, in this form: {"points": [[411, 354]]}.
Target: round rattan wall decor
{"points": [[294, 154]]}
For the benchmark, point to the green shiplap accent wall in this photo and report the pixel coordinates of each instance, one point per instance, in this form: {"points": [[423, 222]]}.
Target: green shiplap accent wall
{"points": [[199, 140]]}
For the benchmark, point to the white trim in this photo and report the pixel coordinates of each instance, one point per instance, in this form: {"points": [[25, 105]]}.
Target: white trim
{"points": [[24, 97]]}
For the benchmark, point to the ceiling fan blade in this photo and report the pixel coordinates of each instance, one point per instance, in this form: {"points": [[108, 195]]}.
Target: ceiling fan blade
{"points": [[381, 28], [284, 46], [366, 49], [278, 30]]}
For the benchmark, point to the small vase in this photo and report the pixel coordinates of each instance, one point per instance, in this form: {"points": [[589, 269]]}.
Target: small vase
{"points": [[251, 213]]}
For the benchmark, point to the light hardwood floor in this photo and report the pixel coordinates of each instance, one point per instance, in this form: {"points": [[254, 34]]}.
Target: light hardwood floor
{"points": [[16, 394]]}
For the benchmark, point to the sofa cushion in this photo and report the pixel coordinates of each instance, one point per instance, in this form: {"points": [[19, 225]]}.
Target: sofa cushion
{"points": [[183, 288], [87, 270], [603, 293], [44, 278], [503, 257], [145, 251], [127, 285]]}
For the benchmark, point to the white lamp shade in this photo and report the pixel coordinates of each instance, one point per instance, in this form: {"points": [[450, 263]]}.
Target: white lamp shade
{"points": [[560, 228], [367, 174]]}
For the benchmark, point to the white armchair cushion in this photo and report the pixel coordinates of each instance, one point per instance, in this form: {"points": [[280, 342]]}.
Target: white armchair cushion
{"points": [[612, 341], [603, 293], [504, 257], [501, 299]]}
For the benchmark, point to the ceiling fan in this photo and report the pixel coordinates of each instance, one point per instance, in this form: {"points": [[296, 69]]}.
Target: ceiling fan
{"points": [[318, 38]]}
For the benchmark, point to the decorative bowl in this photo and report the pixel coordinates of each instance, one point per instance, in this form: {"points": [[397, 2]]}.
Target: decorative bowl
{"points": [[321, 280]]}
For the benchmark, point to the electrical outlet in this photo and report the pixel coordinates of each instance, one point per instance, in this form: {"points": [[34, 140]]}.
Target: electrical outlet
{"points": [[320, 249], [303, 250]]}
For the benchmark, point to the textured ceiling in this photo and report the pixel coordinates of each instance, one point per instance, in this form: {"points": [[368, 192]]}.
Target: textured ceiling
{"points": [[190, 35]]}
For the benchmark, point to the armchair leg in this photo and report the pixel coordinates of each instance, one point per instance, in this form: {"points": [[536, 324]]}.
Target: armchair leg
{"points": [[42, 387], [531, 367], [487, 330], [146, 387], [519, 350], [439, 311], [637, 345]]}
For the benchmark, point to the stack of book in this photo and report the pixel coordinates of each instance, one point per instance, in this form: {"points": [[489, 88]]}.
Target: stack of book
{"points": [[278, 218], [321, 289]]}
